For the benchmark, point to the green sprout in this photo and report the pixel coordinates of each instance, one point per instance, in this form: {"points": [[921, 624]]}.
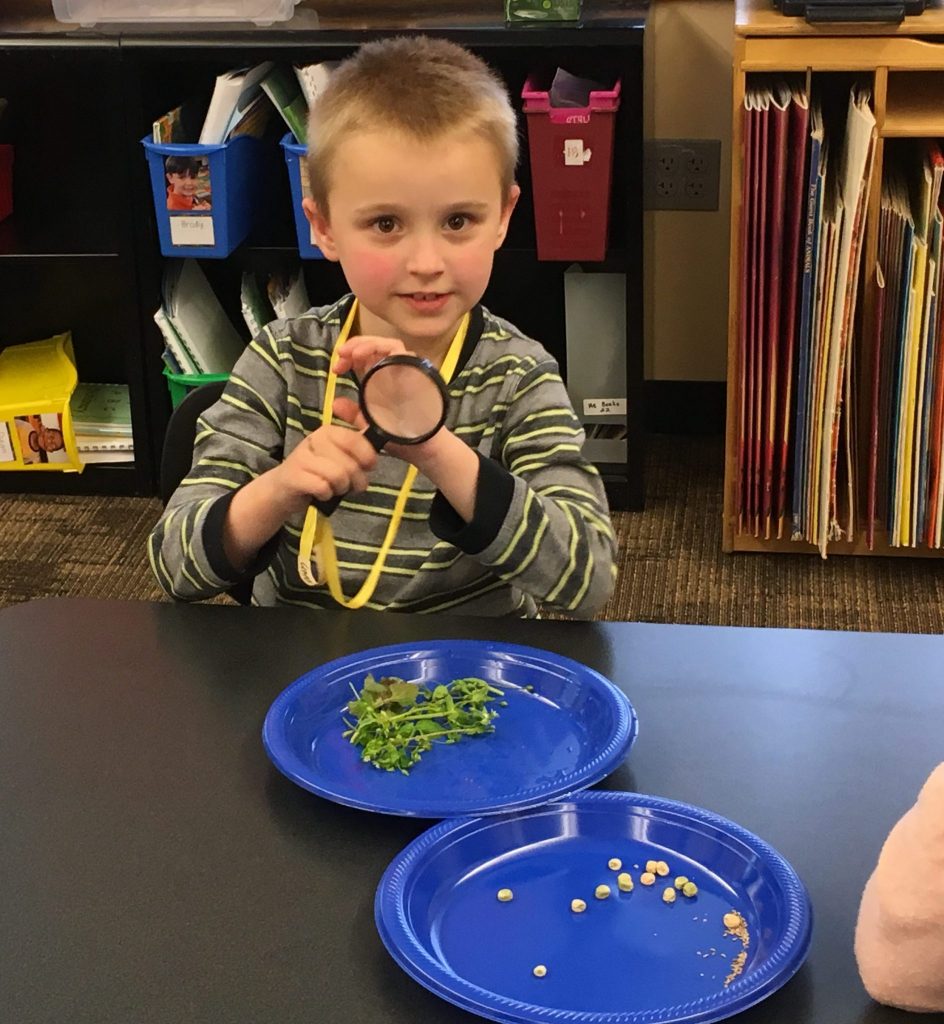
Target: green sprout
{"points": [[395, 722]]}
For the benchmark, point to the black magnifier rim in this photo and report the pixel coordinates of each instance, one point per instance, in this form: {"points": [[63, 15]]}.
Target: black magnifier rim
{"points": [[419, 363]]}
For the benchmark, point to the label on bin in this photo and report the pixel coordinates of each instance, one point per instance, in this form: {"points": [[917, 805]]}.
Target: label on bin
{"points": [[604, 407], [187, 230], [574, 153]]}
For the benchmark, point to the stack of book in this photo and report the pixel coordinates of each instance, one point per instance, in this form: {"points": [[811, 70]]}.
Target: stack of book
{"points": [[905, 491], [101, 419], [199, 337], [805, 191], [242, 101]]}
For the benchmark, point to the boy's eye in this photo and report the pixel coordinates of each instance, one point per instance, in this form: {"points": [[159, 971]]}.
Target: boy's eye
{"points": [[457, 221], [385, 225]]}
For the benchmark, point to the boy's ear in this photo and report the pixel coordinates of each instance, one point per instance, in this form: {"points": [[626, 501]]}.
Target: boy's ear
{"points": [[508, 209], [322, 228]]}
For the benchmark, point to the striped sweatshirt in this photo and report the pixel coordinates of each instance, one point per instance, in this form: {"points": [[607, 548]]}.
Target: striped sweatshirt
{"points": [[540, 532]]}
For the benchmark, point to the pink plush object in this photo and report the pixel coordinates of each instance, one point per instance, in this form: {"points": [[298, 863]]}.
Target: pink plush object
{"points": [[899, 940]]}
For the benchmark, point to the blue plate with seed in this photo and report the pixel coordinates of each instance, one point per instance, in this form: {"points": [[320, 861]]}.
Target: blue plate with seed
{"points": [[561, 727], [630, 957]]}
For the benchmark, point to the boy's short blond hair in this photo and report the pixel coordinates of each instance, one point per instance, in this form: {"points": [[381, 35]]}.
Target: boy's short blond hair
{"points": [[419, 85]]}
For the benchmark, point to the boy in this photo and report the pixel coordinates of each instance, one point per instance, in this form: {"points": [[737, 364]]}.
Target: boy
{"points": [[413, 188], [182, 174]]}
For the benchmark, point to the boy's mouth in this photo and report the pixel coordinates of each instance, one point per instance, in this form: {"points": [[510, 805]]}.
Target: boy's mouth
{"points": [[426, 302]]}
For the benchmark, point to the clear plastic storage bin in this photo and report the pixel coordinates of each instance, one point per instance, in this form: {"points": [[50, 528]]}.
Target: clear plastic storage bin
{"points": [[91, 12]]}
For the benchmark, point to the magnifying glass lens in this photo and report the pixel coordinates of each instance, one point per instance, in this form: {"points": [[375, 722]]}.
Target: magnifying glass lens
{"points": [[403, 401]]}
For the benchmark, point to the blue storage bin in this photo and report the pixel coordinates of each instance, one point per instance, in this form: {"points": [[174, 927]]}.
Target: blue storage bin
{"points": [[227, 179], [295, 153]]}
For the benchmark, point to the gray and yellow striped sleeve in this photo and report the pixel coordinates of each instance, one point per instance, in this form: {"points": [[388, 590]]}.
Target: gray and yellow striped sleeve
{"points": [[556, 541], [237, 439]]}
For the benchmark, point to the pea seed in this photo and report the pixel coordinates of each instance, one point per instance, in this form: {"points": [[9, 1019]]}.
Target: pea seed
{"points": [[614, 864], [732, 920], [651, 866], [668, 895], [625, 881], [505, 895], [540, 971], [662, 868], [681, 882], [647, 878], [578, 906], [690, 889], [601, 892]]}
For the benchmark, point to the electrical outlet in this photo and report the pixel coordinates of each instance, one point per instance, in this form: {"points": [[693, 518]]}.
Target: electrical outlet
{"points": [[682, 174]]}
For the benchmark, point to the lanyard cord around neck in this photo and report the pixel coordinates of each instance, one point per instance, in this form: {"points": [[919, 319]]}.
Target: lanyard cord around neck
{"points": [[317, 535]]}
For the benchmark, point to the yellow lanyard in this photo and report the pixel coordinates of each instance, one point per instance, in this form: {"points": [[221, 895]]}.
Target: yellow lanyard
{"points": [[317, 535]]}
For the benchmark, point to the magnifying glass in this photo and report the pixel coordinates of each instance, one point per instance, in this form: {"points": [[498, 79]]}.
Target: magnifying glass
{"points": [[404, 399]]}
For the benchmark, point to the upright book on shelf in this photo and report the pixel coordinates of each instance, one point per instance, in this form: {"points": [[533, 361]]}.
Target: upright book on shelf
{"points": [[796, 210]]}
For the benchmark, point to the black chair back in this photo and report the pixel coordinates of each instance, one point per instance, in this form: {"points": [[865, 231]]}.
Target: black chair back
{"points": [[177, 454]]}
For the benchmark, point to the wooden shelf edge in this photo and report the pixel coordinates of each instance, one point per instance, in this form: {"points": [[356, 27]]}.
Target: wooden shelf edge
{"points": [[746, 543]]}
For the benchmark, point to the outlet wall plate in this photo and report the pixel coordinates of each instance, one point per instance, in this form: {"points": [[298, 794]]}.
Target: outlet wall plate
{"points": [[682, 174]]}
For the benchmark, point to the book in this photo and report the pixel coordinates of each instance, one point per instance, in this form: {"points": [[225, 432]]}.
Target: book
{"points": [[796, 211], [101, 409], [281, 86], [233, 93], [935, 439], [256, 308], [759, 303], [855, 172], [745, 310], [814, 200], [254, 121], [176, 354], [780, 103], [182, 124], [312, 79], [99, 457], [96, 443], [874, 407], [199, 321], [288, 294]]}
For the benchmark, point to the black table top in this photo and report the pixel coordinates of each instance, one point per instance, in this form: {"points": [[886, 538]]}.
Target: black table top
{"points": [[155, 867]]}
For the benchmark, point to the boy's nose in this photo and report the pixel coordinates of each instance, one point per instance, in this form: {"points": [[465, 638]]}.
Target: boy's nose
{"points": [[425, 259]]}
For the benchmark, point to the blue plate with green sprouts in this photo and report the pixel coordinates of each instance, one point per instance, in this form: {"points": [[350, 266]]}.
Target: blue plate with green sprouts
{"points": [[738, 932], [560, 727]]}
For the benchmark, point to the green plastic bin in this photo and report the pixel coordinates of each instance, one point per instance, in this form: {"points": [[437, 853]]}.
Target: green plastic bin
{"points": [[180, 383]]}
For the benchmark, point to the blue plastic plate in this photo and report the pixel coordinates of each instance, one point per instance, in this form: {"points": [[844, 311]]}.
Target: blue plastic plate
{"points": [[572, 730], [627, 959]]}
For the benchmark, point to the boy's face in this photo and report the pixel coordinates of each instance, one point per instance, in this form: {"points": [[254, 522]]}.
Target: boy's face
{"points": [[51, 439], [415, 226], [184, 184]]}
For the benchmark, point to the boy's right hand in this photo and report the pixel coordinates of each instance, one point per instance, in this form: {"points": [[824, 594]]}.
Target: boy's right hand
{"points": [[331, 460]]}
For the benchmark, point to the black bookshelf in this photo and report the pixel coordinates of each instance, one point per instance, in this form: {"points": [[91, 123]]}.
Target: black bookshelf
{"points": [[89, 260]]}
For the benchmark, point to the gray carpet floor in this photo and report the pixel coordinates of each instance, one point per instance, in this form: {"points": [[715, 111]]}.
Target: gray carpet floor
{"points": [[672, 568]]}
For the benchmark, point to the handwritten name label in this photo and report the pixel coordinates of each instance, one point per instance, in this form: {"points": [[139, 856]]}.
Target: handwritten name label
{"points": [[186, 230], [604, 407]]}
